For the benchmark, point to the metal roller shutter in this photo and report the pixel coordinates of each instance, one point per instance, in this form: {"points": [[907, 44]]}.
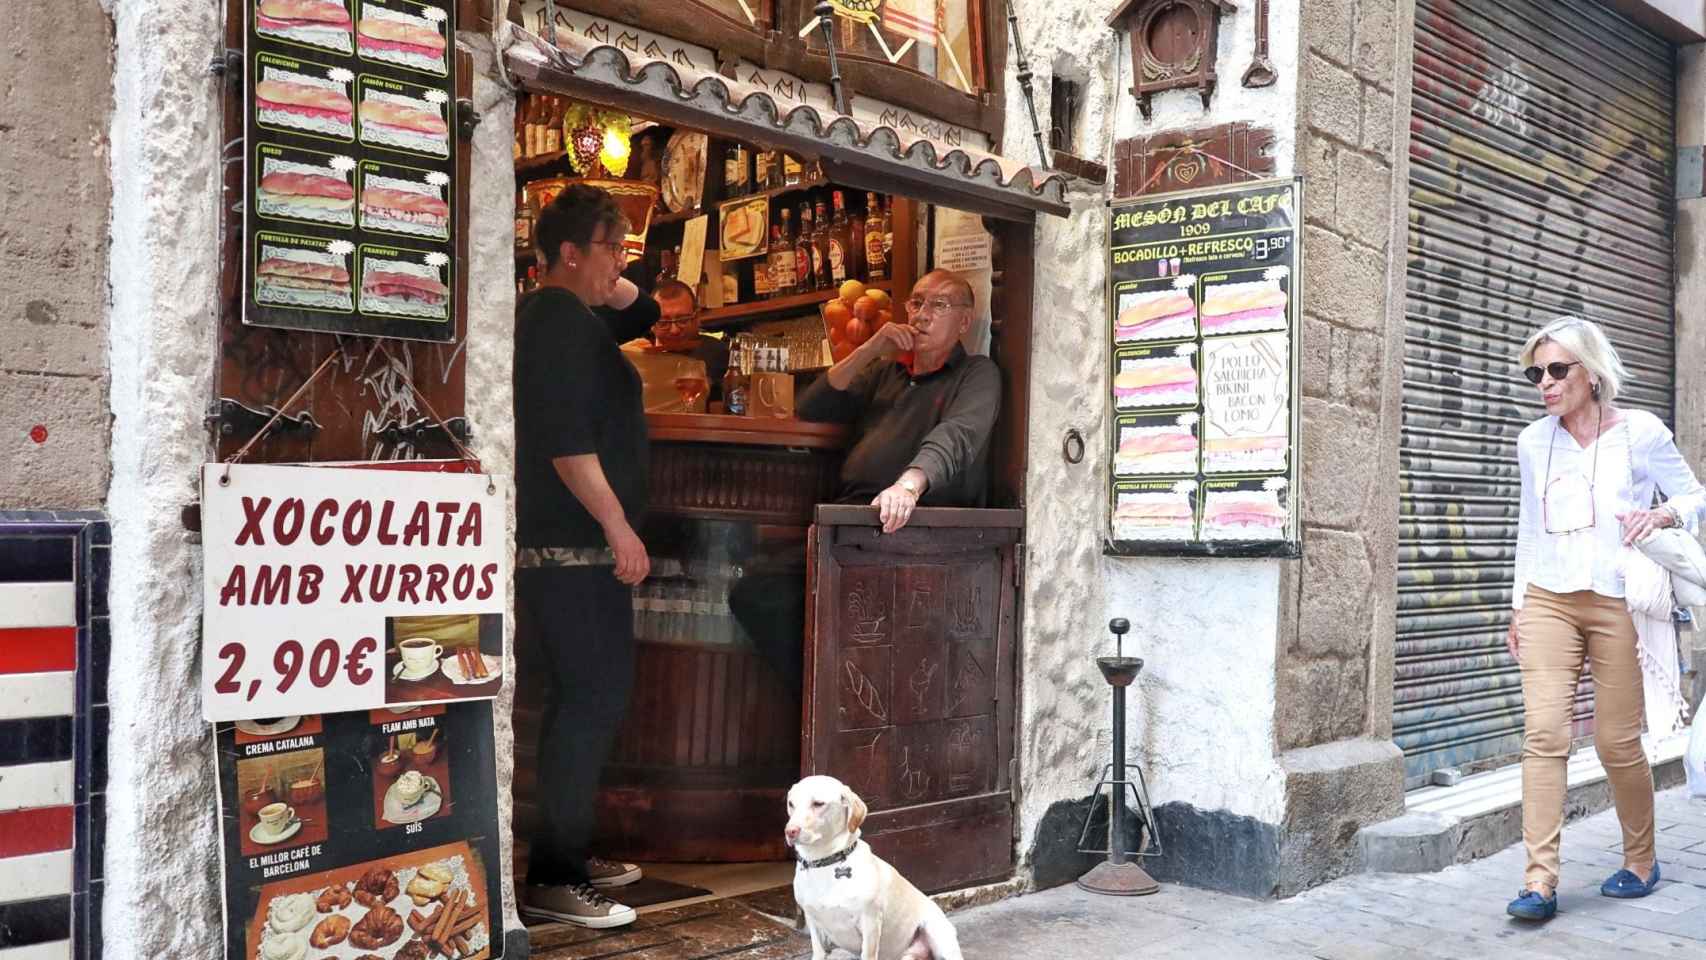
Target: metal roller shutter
{"points": [[1540, 184]]}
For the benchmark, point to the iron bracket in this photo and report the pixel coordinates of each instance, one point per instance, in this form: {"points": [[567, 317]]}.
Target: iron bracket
{"points": [[228, 66], [467, 118], [231, 418], [418, 431]]}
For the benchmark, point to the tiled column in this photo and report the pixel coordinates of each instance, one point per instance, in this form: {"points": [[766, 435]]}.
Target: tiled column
{"points": [[52, 735]]}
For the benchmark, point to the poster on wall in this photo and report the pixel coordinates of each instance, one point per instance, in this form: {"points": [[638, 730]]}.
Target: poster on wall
{"points": [[330, 589], [1204, 299], [363, 834], [350, 163]]}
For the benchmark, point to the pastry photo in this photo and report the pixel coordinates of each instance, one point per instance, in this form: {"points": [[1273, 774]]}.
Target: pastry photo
{"points": [[429, 904], [743, 227]]}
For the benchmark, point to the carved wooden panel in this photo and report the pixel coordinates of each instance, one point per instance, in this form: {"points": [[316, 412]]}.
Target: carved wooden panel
{"points": [[1173, 45], [1176, 160], [910, 666]]}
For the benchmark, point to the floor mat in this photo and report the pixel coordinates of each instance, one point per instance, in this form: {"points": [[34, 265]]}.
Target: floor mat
{"points": [[650, 890]]}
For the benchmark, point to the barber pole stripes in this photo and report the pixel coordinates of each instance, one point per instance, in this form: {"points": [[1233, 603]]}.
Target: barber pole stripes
{"points": [[53, 630]]}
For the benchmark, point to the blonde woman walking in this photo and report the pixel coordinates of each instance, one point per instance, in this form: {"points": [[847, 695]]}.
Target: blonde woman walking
{"points": [[1589, 472]]}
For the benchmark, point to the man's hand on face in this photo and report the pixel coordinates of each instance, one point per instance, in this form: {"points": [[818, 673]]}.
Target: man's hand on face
{"points": [[891, 339]]}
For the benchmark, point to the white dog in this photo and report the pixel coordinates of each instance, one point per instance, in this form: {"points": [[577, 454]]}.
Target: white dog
{"points": [[852, 898]]}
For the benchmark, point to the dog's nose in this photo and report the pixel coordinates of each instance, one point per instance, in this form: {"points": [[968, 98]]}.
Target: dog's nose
{"points": [[792, 833]]}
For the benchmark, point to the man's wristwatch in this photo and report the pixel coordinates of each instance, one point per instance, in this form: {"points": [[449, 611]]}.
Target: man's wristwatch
{"points": [[910, 486]]}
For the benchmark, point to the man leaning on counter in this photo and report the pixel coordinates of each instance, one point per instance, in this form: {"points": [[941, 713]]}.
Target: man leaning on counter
{"points": [[922, 411]]}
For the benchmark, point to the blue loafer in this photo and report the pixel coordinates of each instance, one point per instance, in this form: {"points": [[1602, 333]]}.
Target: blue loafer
{"points": [[1625, 885], [1531, 905]]}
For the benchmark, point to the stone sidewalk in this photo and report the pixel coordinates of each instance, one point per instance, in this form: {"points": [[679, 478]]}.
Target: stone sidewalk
{"points": [[1458, 912]]}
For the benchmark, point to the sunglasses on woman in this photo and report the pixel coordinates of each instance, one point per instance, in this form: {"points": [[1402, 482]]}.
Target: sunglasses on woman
{"points": [[1558, 371]]}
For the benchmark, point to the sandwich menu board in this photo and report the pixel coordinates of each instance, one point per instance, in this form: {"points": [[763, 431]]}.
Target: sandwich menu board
{"points": [[350, 158], [1203, 295], [360, 835]]}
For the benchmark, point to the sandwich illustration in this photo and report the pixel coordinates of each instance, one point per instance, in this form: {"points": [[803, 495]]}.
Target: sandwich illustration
{"points": [[412, 125], [1155, 382], [404, 211], [1152, 516], [399, 289], [322, 23], [1229, 454], [1162, 315], [295, 281], [1243, 307], [407, 43], [303, 106], [1148, 450], [743, 228], [301, 195], [1243, 515]]}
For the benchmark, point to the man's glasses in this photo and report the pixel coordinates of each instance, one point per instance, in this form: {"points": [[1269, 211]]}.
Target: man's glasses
{"points": [[1558, 371], [677, 322]]}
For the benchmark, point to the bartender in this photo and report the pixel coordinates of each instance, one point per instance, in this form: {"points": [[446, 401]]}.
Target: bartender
{"points": [[922, 410], [677, 331], [581, 488]]}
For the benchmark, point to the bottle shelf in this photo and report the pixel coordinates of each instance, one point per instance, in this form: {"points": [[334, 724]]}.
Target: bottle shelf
{"points": [[741, 312]]}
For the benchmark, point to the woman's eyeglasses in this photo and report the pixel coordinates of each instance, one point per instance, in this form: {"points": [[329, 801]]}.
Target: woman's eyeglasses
{"points": [[1558, 371]]}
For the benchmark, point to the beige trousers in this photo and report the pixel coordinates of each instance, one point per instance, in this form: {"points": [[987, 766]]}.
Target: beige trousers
{"points": [[1557, 633]]}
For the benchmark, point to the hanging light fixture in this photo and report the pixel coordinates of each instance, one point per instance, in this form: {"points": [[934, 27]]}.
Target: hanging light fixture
{"points": [[618, 144]]}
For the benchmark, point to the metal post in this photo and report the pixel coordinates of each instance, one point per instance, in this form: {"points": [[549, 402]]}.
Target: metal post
{"points": [[1024, 83], [1116, 799], [825, 13], [1117, 875]]}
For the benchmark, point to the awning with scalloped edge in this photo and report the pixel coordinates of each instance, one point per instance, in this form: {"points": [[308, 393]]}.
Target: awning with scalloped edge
{"points": [[868, 156]]}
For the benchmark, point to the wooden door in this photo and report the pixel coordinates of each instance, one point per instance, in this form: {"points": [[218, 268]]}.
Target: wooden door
{"points": [[909, 683]]}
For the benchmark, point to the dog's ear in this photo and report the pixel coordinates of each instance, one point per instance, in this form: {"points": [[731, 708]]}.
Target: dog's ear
{"points": [[855, 810]]}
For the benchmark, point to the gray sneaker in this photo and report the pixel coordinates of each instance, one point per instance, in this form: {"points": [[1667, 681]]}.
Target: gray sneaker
{"points": [[605, 874], [581, 905]]}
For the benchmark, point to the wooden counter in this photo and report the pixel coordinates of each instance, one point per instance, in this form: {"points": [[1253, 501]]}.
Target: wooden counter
{"points": [[749, 431], [711, 740], [766, 471]]}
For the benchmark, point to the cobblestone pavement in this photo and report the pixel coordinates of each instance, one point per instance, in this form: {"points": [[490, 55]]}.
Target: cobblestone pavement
{"points": [[1458, 912]]}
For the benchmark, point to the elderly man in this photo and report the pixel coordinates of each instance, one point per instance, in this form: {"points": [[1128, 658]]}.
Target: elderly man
{"points": [[922, 410], [677, 331]]}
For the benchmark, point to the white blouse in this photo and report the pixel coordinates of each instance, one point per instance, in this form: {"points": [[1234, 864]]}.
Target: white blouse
{"points": [[1635, 456]]}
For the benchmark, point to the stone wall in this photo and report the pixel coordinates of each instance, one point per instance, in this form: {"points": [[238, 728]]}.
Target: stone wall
{"points": [[1690, 413], [1333, 718], [57, 58], [1201, 717]]}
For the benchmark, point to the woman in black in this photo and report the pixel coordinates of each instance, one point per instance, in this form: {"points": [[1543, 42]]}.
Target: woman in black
{"points": [[581, 471]]}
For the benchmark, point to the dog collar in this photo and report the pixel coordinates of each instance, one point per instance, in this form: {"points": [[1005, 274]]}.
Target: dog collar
{"points": [[828, 861]]}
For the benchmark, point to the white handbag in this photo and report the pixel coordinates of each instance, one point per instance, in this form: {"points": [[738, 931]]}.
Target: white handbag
{"points": [[1678, 551]]}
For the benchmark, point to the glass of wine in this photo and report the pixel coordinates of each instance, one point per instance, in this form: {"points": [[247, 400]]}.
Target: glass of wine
{"points": [[690, 388]]}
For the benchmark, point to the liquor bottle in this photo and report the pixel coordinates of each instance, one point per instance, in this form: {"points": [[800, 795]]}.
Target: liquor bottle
{"points": [[735, 385], [735, 182], [793, 174], [761, 173], [888, 230], [523, 222], [530, 126], [876, 258], [782, 269], [840, 243], [805, 275], [856, 246], [763, 283], [820, 248], [553, 125], [520, 148]]}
